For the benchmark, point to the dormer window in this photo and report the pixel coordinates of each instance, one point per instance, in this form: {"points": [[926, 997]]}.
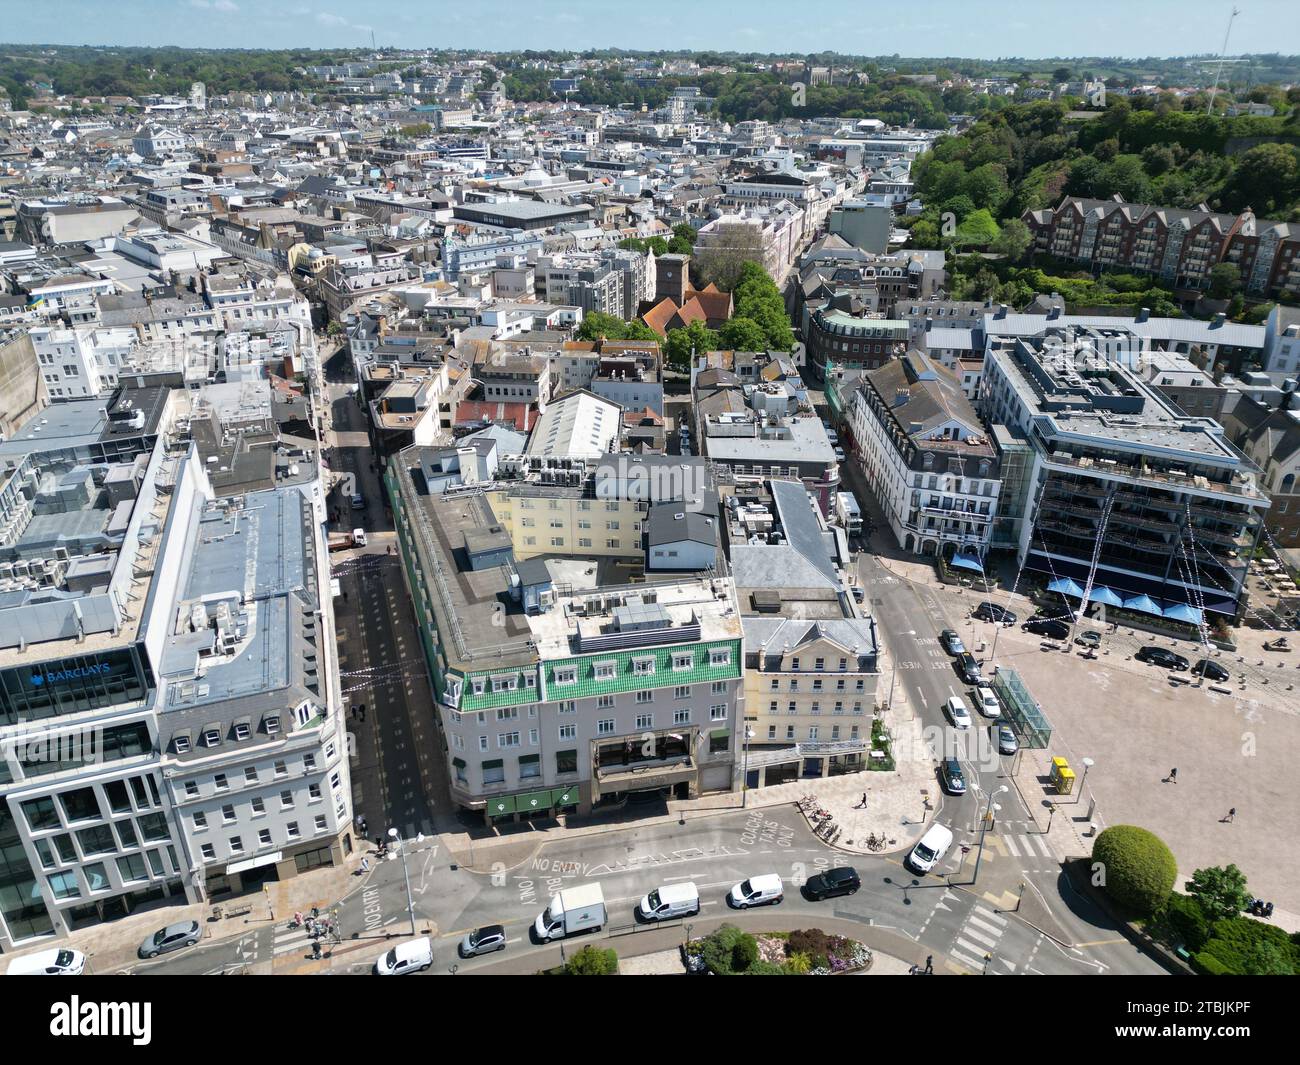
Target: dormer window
{"points": [[643, 666], [567, 675], [606, 670], [683, 661], [720, 656]]}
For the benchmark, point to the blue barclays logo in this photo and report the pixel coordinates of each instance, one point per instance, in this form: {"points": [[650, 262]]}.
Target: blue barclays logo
{"points": [[56, 676]]}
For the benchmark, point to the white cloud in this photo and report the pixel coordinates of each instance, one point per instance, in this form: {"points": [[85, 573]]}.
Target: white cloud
{"points": [[224, 6], [326, 19]]}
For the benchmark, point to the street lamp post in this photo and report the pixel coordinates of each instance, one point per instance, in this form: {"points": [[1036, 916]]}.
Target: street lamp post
{"points": [[984, 827], [744, 772], [1088, 763], [406, 875]]}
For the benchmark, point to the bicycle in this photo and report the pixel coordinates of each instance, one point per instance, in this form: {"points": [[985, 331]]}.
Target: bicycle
{"points": [[875, 843]]}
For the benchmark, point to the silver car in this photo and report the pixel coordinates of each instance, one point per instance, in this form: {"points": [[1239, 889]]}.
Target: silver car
{"points": [[483, 941], [173, 937]]}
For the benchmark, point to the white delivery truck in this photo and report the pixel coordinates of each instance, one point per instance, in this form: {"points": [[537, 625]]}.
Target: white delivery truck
{"points": [[849, 513], [575, 909]]}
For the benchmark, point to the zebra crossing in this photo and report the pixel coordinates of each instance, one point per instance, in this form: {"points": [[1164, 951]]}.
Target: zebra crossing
{"points": [[1029, 848], [291, 941], [978, 938]]}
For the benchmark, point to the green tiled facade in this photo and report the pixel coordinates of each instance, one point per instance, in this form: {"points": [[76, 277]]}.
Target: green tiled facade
{"points": [[624, 679]]}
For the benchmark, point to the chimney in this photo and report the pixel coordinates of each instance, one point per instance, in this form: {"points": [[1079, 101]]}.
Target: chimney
{"points": [[1219, 319], [1143, 314]]}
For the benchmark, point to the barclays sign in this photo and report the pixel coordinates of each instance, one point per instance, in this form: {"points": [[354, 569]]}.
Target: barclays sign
{"points": [[56, 676]]}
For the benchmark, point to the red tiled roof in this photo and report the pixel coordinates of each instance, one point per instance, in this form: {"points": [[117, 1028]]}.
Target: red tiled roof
{"points": [[476, 411]]}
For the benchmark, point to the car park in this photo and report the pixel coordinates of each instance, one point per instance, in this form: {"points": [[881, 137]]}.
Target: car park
{"points": [[987, 702], [1210, 670], [1160, 656], [1007, 742], [951, 642], [950, 775], [957, 713], [756, 891], [842, 880], [173, 937], [483, 940], [999, 615], [1048, 627], [968, 669]]}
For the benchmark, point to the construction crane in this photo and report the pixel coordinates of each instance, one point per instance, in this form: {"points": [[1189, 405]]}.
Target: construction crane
{"points": [[1209, 107]]}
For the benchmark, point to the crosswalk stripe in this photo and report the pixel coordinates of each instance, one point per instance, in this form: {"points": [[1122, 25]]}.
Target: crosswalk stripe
{"points": [[1011, 846], [977, 951], [969, 962], [1043, 848], [989, 915], [983, 937], [989, 929]]}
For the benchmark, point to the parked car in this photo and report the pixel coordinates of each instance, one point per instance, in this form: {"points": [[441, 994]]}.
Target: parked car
{"points": [[957, 712], [57, 961], [1210, 670], [992, 612], [950, 775], [1049, 627], [987, 702], [1160, 656], [358, 502], [858, 594], [842, 880], [483, 941], [1091, 638], [968, 669], [756, 891], [1007, 743], [839, 454], [951, 642], [415, 956], [173, 937]]}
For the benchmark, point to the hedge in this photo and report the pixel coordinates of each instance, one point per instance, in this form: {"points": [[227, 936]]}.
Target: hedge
{"points": [[1139, 869]]}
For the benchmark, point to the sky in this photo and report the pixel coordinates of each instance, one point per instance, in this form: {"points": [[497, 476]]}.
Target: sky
{"points": [[983, 29]]}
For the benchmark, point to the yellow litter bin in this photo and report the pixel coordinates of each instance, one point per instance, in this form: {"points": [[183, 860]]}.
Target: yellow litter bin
{"points": [[1062, 776]]}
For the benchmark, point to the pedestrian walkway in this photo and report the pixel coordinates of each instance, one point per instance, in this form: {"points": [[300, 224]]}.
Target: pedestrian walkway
{"points": [[979, 936]]}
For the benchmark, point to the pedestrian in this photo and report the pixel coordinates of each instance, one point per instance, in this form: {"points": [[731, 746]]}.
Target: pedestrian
{"points": [[1173, 776], [362, 711], [863, 803], [929, 964], [1232, 815]]}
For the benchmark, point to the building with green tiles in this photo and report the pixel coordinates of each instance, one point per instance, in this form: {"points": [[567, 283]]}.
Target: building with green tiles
{"points": [[614, 680]]}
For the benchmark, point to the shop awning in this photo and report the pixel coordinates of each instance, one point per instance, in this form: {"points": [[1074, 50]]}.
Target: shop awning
{"points": [[254, 863], [533, 800], [1104, 595], [1183, 612], [968, 560], [1145, 604], [564, 796], [498, 807], [1066, 587]]}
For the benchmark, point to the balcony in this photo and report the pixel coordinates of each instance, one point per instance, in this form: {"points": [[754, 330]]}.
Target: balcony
{"points": [[1242, 483]]}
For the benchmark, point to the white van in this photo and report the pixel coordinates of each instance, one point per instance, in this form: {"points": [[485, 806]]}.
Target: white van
{"points": [[930, 848], [59, 961], [415, 956], [670, 900], [756, 890]]}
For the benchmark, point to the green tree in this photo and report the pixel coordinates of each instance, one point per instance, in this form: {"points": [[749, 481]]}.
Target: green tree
{"points": [[1014, 240], [729, 247], [1220, 890], [742, 334], [729, 951], [598, 325], [1265, 178], [1267, 959], [1138, 868], [977, 229], [592, 961], [680, 342]]}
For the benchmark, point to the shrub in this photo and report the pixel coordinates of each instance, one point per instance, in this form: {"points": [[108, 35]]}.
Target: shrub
{"points": [[1240, 946], [1139, 869], [1222, 892], [729, 951], [765, 968], [815, 943], [798, 964], [1183, 922], [592, 961]]}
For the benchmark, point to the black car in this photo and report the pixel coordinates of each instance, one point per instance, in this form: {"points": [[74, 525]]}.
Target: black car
{"points": [[992, 612], [1158, 656], [968, 669], [840, 881], [1211, 670], [1049, 627], [951, 642], [954, 783]]}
